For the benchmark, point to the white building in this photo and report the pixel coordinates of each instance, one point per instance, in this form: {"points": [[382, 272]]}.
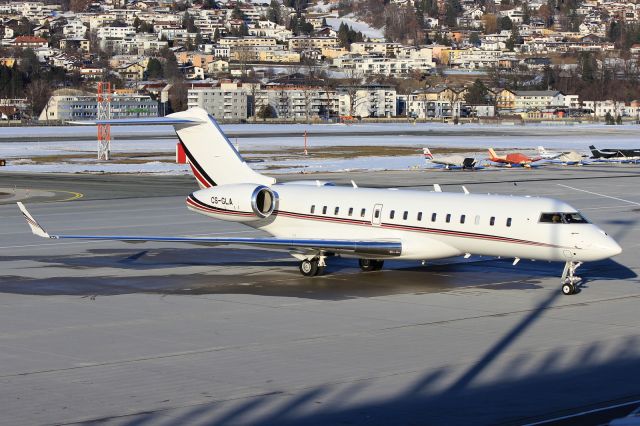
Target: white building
{"points": [[538, 99], [115, 32], [367, 101], [71, 104], [74, 29], [374, 64], [227, 102]]}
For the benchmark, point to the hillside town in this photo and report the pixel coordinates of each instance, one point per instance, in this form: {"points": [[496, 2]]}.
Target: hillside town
{"points": [[321, 61]]}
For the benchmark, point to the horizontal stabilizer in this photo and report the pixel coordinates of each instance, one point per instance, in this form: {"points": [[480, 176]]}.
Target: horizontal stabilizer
{"points": [[148, 121]]}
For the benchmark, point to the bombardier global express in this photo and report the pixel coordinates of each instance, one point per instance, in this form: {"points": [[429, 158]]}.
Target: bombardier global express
{"points": [[315, 221]]}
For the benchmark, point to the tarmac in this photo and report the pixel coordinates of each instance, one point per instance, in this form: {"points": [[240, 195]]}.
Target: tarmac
{"points": [[157, 334]]}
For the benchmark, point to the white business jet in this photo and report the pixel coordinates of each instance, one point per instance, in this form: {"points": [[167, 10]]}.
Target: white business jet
{"points": [[315, 221]]}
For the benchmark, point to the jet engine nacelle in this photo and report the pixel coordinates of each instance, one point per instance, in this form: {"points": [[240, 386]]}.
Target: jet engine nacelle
{"points": [[237, 202]]}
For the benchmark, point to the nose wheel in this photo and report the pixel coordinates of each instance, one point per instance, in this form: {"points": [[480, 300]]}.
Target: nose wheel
{"points": [[569, 280]]}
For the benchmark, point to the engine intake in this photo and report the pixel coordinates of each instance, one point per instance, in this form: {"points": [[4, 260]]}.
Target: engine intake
{"points": [[243, 202], [263, 201]]}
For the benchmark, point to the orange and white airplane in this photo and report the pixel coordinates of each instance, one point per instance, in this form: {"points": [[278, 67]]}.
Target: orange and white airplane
{"points": [[512, 159], [315, 221]]}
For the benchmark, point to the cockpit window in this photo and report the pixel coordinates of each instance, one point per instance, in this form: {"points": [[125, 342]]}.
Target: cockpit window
{"points": [[562, 218], [574, 218]]}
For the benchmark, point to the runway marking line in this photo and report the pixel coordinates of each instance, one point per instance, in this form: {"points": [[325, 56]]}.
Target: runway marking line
{"points": [[600, 195], [583, 413]]}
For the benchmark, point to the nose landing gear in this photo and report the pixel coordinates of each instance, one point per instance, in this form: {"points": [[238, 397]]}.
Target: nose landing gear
{"points": [[569, 280]]}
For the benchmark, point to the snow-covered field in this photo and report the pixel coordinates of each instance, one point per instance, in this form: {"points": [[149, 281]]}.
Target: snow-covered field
{"points": [[284, 153], [357, 25]]}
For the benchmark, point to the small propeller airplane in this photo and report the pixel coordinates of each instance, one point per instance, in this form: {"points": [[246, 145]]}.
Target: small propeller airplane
{"points": [[512, 159], [451, 161], [314, 221], [568, 158], [615, 154]]}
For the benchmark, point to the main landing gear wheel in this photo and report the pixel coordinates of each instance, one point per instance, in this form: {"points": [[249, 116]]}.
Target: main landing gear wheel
{"points": [[309, 268], [569, 280], [370, 264], [312, 267]]}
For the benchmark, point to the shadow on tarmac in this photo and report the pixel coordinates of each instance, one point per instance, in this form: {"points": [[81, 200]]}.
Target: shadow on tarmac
{"points": [[529, 388], [171, 271]]}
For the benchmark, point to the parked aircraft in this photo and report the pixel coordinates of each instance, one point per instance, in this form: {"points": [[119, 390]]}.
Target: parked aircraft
{"points": [[615, 153], [512, 159], [316, 221], [450, 161], [566, 157]]}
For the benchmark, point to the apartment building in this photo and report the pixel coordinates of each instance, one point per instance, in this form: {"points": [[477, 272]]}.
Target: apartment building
{"points": [[367, 101], [538, 99], [307, 42], [235, 42], [226, 102], [71, 104], [297, 102], [375, 64]]}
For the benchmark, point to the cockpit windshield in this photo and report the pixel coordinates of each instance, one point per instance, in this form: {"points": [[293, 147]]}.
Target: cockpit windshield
{"points": [[560, 217]]}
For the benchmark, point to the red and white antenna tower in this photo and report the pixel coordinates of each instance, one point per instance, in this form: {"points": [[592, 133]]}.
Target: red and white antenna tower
{"points": [[104, 113]]}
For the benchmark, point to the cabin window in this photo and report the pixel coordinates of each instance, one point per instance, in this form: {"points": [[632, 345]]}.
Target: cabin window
{"points": [[335, 212], [392, 213], [324, 210], [492, 221], [376, 213], [562, 218], [462, 218], [313, 209], [405, 215], [508, 221], [477, 221], [363, 212], [448, 218], [419, 216], [350, 211], [433, 217]]}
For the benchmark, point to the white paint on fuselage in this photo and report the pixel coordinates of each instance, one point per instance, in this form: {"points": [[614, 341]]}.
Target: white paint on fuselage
{"points": [[525, 238]]}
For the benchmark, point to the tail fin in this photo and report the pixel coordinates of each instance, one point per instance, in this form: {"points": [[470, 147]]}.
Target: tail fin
{"points": [[596, 152], [541, 150], [427, 154], [212, 157], [492, 153]]}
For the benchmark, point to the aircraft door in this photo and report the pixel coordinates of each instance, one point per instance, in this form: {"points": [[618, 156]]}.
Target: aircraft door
{"points": [[376, 216]]}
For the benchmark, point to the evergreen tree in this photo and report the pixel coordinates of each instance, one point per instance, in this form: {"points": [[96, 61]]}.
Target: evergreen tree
{"points": [[238, 13], [477, 94], [505, 23], [274, 13], [154, 69], [452, 12]]}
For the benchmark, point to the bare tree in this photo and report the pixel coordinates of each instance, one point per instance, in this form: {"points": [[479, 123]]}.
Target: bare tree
{"points": [[352, 88], [38, 93]]}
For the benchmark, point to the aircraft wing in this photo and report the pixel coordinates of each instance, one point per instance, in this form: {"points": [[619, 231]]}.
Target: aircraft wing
{"points": [[386, 247]]}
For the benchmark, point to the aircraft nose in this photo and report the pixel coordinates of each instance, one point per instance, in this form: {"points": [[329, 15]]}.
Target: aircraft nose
{"points": [[611, 247]]}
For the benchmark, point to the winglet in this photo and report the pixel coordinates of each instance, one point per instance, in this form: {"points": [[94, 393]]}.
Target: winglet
{"points": [[35, 226]]}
